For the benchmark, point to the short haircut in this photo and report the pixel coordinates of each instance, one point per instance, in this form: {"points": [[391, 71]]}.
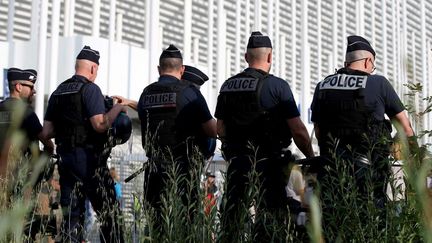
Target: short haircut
{"points": [[257, 54], [356, 55], [83, 64], [170, 64], [12, 85]]}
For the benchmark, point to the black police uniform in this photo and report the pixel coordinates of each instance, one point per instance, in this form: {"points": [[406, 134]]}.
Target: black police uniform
{"points": [[171, 114], [196, 77], [83, 169], [349, 106], [29, 122], [254, 106], [352, 102]]}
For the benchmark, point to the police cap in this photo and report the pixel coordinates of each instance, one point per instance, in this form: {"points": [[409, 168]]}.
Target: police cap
{"points": [[258, 40], [356, 43], [89, 54], [194, 75], [14, 74], [171, 52]]}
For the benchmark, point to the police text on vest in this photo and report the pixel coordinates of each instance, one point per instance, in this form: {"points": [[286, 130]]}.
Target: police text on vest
{"points": [[240, 84], [160, 100], [345, 82]]}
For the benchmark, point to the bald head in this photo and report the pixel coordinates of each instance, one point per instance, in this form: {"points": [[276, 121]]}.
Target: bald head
{"points": [[171, 66], [361, 60], [86, 68], [357, 55], [259, 58]]}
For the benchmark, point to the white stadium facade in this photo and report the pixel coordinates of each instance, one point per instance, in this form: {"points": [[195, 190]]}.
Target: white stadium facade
{"points": [[309, 39]]}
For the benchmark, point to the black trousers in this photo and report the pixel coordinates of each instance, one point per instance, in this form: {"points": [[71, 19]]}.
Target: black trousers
{"points": [[350, 183], [269, 199], [369, 171], [158, 182], [84, 174]]}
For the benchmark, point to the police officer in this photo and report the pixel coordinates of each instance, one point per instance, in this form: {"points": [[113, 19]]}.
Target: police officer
{"points": [[76, 117], [18, 105], [256, 118], [348, 110], [194, 76], [172, 114], [197, 78], [191, 75]]}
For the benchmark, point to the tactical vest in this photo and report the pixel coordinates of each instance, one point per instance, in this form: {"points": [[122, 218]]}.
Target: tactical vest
{"points": [[12, 114], [5, 121], [72, 127], [343, 113], [246, 121], [161, 103]]}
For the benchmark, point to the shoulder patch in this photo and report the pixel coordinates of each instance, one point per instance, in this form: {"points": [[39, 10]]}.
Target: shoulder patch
{"points": [[344, 82], [240, 84], [163, 100]]}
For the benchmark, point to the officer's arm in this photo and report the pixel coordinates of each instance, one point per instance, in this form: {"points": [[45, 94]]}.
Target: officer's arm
{"points": [[127, 102], [101, 122], [47, 130], [48, 144], [402, 119], [317, 131], [300, 136], [209, 128], [220, 128], [45, 136]]}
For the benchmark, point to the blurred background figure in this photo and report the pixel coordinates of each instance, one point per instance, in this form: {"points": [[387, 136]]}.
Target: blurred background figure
{"points": [[396, 184], [210, 189], [117, 184], [16, 114]]}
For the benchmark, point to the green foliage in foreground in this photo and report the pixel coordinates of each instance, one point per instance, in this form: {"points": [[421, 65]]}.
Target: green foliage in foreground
{"points": [[406, 220]]}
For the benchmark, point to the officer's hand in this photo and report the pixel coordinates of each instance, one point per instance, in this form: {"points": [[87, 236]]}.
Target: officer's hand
{"points": [[126, 102], [116, 99], [413, 145], [120, 99]]}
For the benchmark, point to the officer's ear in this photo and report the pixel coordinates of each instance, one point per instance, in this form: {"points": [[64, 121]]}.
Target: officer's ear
{"points": [[94, 69], [159, 70], [246, 57], [182, 69], [345, 64], [269, 57], [18, 87]]}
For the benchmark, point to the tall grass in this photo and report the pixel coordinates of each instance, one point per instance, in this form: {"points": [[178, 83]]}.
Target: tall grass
{"points": [[408, 220], [351, 220]]}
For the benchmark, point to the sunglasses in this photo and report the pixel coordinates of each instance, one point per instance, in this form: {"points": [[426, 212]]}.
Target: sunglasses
{"points": [[367, 59], [28, 85]]}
